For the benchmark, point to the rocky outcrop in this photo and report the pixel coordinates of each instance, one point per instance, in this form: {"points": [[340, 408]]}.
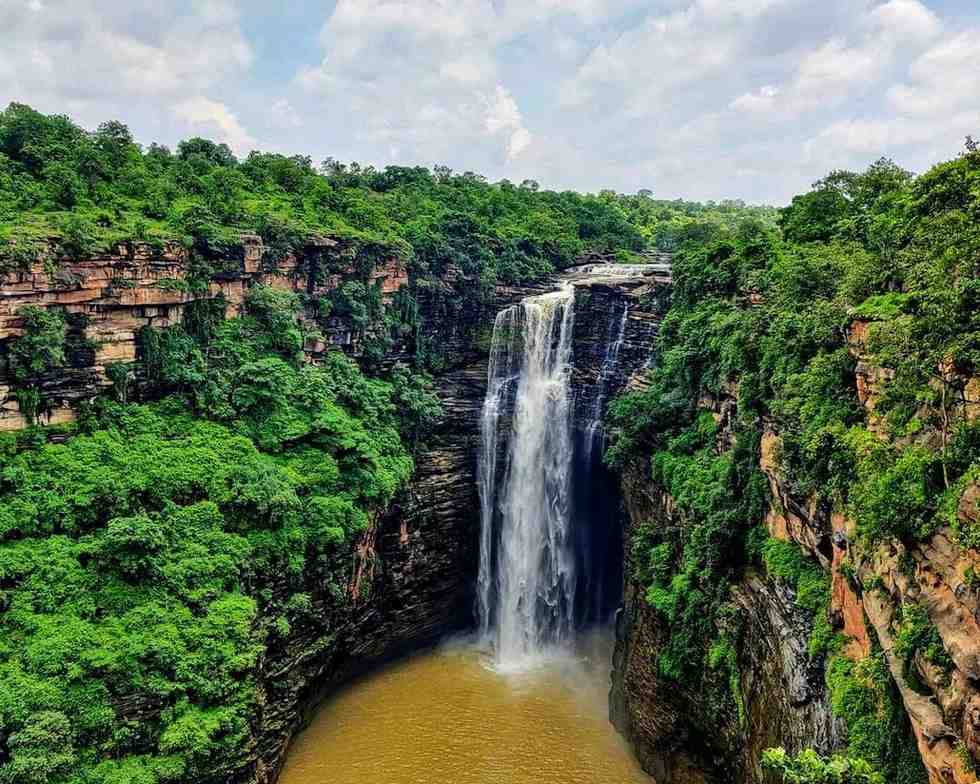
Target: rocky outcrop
{"points": [[610, 309], [933, 574], [782, 686]]}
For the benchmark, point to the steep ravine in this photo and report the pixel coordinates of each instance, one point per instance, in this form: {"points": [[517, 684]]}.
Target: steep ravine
{"points": [[411, 578], [414, 573]]}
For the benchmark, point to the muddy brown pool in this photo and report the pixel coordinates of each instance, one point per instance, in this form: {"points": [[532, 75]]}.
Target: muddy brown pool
{"points": [[446, 717]]}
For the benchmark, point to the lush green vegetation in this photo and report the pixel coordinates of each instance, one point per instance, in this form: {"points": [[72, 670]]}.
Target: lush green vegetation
{"points": [[147, 563], [137, 557], [100, 188], [809, 768], [668, 225], [863, 695], [154, 553], [762, 313]]}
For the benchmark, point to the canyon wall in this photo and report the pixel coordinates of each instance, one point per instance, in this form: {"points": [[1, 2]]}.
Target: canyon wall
{"points": [[682, 736], [110, 297], [685, 735]]}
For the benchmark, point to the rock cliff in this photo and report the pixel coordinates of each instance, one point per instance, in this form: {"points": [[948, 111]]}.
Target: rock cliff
{"points": [[109, 298], [681, 737], [684, 736]]}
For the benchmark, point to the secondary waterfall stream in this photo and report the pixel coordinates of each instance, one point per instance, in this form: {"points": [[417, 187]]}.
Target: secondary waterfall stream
{"points": [[614, 342], [526, 581]]}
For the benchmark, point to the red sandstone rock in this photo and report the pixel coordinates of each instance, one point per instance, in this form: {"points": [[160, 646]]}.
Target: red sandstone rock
{"points": [[138, 286]]}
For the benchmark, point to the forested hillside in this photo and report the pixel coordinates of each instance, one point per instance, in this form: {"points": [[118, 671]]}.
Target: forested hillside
{"points": [[848, 337]]}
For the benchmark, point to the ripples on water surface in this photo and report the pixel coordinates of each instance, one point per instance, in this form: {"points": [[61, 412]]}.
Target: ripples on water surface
{"points": [[445, 717]]}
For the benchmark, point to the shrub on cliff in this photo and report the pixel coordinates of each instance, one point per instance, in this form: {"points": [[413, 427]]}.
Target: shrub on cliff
{"points": [[809, 768], [41, 345]]}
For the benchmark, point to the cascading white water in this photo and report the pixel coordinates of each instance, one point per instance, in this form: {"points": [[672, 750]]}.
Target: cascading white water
{"points": [[501, 375], [526, 580]]}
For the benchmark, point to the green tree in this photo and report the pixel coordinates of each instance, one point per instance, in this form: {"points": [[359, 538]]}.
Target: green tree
{"points": [[41, 346], [41, 751], [809, 768]]}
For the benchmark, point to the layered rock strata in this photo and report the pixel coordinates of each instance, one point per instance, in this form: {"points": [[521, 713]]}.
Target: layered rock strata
{"points": [[110, 297]]}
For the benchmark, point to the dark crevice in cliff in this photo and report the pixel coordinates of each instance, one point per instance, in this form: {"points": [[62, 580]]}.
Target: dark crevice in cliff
{"points": [[597, 534]]}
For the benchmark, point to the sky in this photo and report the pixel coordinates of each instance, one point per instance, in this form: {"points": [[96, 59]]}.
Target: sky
{"points": [[695, 99]]}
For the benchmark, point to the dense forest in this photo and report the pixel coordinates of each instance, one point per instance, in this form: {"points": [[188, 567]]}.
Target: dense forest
{"points": [[94, 190], [138, 543], [763, 313]]}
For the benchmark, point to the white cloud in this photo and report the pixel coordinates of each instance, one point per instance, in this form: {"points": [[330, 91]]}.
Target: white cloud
{"points": [[99, 59], [215, 117], [504, 118], [692, 98], [904, 21], [760, 100], [284, 115], [938, 102], [942, 79], [834, 70], [697, 42], [425, 73]]}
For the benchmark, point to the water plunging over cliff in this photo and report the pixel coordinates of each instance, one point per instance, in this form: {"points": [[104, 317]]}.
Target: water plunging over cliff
{"points": [[526, 580], [614, 342]]}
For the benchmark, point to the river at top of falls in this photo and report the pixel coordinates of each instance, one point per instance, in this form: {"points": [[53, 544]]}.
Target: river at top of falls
{"points": [[526, 579]]}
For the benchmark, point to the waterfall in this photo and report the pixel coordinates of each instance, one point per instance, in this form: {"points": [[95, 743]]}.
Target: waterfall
{"points": [[614, 342], [501, 375], [526, 577]]}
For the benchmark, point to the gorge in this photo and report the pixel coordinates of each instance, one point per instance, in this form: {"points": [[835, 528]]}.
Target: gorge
{"points": [[527, 698], [274, 439]]}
